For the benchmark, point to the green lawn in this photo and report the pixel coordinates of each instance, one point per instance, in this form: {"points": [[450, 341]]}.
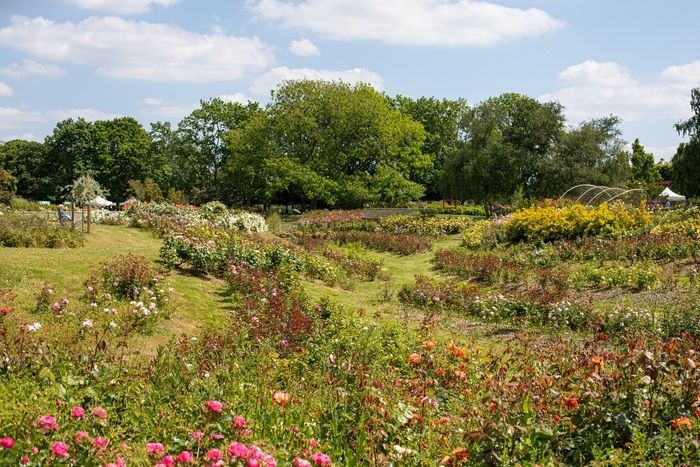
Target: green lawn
{"points": [[198, 301]]}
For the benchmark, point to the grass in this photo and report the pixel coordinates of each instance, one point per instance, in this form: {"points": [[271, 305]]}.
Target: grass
{"points": [[25, 270], [200, 303]]}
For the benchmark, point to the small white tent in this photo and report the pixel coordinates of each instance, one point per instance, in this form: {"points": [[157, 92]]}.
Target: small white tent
{"points": [[101, 202], [671, 196]]}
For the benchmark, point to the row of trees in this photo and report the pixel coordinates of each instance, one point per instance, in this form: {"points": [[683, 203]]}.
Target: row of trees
{"points": [[334, 144]]}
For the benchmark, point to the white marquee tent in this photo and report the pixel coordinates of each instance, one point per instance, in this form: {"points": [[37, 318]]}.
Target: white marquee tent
{"points": [[671, 196], [101, 202]]}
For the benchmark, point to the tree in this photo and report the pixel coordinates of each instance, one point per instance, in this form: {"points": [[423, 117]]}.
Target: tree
{"points": [[84, 190], [665, 170], [686, 163], [645, 172], [686, 169], [325, 142], [123, 152], [146, 191], [441, 122], [26, 161], [70, 150], [506, 142], [202, 150], [8, 185], [591, 152]]}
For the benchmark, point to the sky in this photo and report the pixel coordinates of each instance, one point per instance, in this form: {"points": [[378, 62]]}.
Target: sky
{"points": [[155, 60]]}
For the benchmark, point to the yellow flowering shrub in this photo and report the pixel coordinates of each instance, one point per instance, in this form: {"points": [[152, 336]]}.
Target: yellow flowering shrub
{"points": [[549, 223], [685, 222], [473, 235]]}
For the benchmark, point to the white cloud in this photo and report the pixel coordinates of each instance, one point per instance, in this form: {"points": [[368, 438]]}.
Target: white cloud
{"points": [[125, 49], [685, 76], [276, 76], [120, 7], [411, 22], [304, 47], [594, 89], [29, 67], [5, 90], [24, 136], [88, 114], [177, 110], [235, 97], [662, 152], [12, 118], [171, 111]]}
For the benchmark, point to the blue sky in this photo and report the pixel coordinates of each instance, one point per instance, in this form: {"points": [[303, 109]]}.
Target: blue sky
{"points": [[155, 59]]}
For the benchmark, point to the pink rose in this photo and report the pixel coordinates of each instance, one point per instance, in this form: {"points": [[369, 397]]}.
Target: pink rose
{"points": [[24, 460], [215, 406], [99, 442], [321, 459], [238, 422], [197, 435], [77, 412], [81, 435], [301, 463], [238, 450], [7, 442], [47, 423], [184, 457], [60, 449], [155, 449], [168, 461], [99, 412], [213, 455]]}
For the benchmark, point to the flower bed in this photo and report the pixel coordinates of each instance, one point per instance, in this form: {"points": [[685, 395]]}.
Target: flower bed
{"points": [[546, 223], [36, 230]]}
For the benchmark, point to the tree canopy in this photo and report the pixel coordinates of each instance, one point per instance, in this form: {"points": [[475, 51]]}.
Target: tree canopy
{"points": [[333, 144]]}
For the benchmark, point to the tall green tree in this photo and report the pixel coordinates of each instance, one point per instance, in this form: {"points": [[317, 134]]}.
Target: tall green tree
{"points": [[202, 152], [70, 150], [123, 152], [441, 121], [592, 152], [329, 143], [26, 161], [686, 163], [645, 172], [8, 186], [506, 142]]}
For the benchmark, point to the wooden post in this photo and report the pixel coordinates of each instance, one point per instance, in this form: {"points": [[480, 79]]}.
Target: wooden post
{"points": [[89, 220]]}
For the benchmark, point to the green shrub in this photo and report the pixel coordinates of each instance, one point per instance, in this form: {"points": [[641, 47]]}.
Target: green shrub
{"points": [[32, 230]]}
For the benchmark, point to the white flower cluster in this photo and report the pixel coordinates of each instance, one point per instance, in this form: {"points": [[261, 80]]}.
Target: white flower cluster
{"points": [[246, 221], [141, 308], [104, 217]]}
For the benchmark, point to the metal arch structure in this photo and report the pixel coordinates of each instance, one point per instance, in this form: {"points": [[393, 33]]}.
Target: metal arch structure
{"points": [[595, 195]]}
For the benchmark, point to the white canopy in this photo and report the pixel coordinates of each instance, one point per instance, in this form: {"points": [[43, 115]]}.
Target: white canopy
{"points": [[671, 196], [101, 202]]}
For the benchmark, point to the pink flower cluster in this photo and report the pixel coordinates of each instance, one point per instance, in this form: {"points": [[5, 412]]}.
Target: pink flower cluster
{"points": [[252, 454]]}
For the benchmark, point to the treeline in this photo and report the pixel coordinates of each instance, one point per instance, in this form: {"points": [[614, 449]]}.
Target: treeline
{"points": [[332, 144]]}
